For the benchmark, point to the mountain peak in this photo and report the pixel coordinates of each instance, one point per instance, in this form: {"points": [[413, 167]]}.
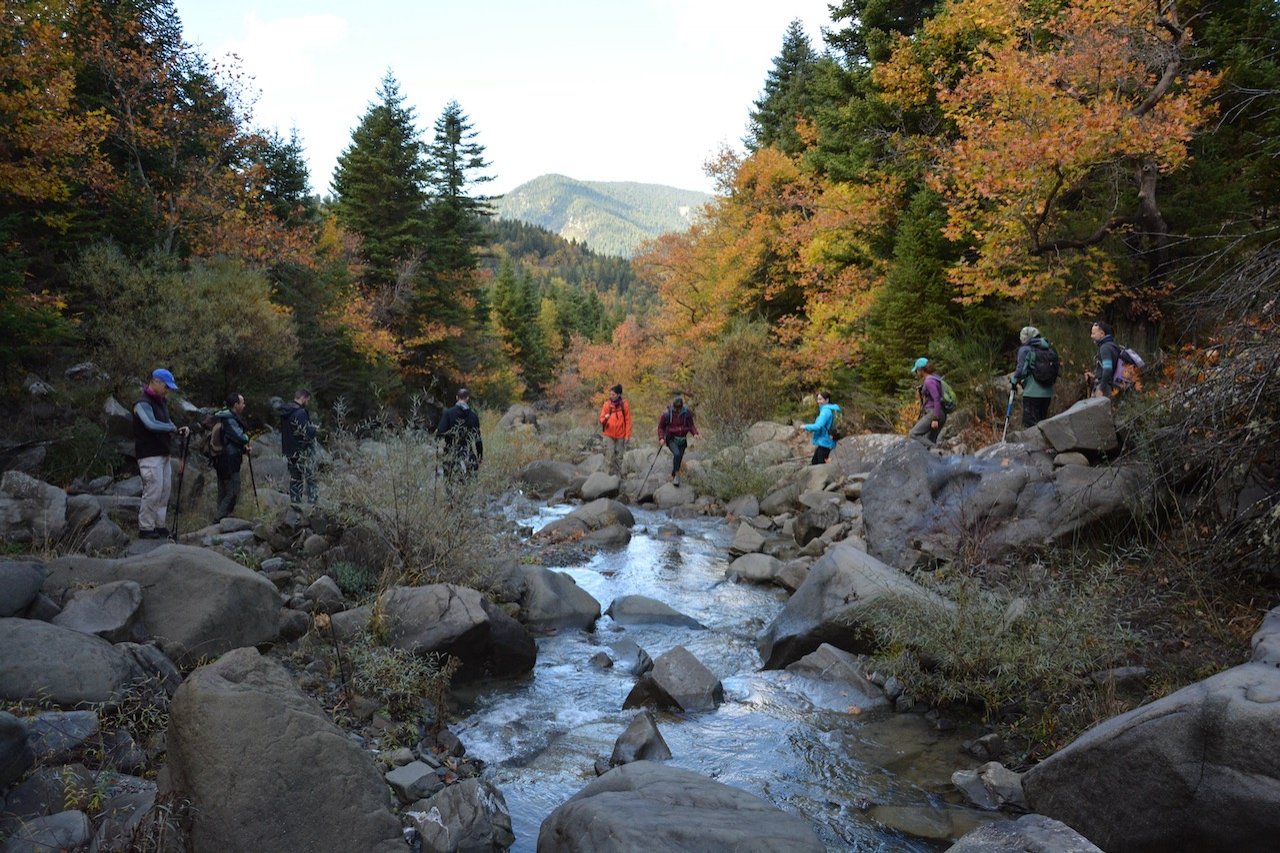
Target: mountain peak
{"points": [[610, 217]]}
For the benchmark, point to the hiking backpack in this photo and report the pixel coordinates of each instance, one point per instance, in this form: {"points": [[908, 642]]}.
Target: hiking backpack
{"points": [[1045, 365], [209, 438], [1126, 375], [836, 430], [950, 402]]}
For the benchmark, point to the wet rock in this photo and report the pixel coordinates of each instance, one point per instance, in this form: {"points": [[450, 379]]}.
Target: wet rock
{"points": [[678, 681], [1031, 833], [613, 536], [992, 786], [552, 600], [640, 742], [642, 610], [842, 684], [630, 655], [756, 568]]}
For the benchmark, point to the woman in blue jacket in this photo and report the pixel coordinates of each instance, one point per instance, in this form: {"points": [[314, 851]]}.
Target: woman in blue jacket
{"points": [[821, 428]]}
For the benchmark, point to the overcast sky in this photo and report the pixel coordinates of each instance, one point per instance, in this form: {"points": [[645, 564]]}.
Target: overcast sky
{"points": [[599, 90]]}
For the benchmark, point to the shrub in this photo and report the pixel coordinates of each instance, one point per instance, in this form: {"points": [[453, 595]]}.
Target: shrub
{"points": [[81, 450], [726, 473], [737, 379], [401, 680]]}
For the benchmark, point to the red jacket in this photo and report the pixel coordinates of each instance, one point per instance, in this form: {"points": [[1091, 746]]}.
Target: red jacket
{"points": [[616, 419], [675, 424]]}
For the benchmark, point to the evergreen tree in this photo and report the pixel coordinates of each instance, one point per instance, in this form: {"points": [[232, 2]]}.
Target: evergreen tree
{"points": [[379, 186], [516, 306], [787, 95], [285, 184]]}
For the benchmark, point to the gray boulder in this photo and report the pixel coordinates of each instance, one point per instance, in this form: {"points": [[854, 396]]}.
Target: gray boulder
{"points": [[603, 512], [1087, 426], [20, 581], [649, 806], [840, 681], [56, 737], [109, 611], [640, 742], [744, 506], [1031, 833], [457, 621], [70, 830], [601, 485], [1188, 771], [325, 595], [843, 583], [669, 495], [757, 568], [613, 536], [552, 600], [630, 655], [992, 786], [66, 667], [642, 610], [196, 603], [30, 510], [469, 817], [747, 540], [246, 705], [519, 415], [677, 681], [15, 753], [413, 781], [544, 477]]}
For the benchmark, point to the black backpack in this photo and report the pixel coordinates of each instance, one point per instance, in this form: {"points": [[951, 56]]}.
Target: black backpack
{"points": [[1045, 365], [836, 430]]}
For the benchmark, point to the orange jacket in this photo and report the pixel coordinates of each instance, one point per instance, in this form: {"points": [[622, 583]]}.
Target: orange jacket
{"points": [[616, 419]]}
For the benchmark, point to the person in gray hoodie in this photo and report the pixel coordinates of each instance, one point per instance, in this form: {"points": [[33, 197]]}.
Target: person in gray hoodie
{"points": [[1036, 395]]}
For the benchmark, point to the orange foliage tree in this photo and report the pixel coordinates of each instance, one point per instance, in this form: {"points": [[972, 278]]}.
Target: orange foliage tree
{"points": [[1053, 105]]}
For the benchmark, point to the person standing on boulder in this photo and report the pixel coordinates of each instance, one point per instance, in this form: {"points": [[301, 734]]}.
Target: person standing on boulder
{"points": [[674, 428], [234, 440], [932, 415], [463, 447], [823, 441], [298, 443], [1102, 377], [153, 432], [615, 424], [1033, 357]]}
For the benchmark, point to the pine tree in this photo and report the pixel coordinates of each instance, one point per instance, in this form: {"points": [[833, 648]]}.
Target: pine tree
{"points": [[380, 186], [787, 95]]}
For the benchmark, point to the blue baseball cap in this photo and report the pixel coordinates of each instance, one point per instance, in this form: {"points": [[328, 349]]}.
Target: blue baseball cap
{"points": [[165, 376], [920, 362]]}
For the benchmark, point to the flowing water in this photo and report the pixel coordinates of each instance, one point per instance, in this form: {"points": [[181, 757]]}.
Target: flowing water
{"points": [[860, 780]]}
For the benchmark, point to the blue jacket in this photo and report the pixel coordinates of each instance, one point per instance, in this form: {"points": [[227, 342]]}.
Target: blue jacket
{"points": [[821, 428]]}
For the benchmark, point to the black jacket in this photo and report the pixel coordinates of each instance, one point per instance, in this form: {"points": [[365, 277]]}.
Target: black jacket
{"points": [[297, 432], [460, 428], [234, 441], [147, 442]]}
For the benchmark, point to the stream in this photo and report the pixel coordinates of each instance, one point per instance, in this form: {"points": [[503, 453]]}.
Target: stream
{"points": [[873, 782]]}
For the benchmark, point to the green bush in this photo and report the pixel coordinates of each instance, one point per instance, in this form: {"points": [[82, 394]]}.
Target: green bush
{"points": [[726, 473], [355, 581], [400, 680], [81, 450]]}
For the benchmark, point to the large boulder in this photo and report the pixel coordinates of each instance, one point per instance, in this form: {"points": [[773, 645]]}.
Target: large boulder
{"points": [[1190, 771], [1087, 426], [109, 610], [20, 582], [196, 603], [235, 726], [552, 600], [63, 666], [457, 621], [469, 816], [30, 510], [825, 609], [545, 477], [919, 506], [678, 681], [649, 806], [601, 485], [1031, 833], [642, 610]]}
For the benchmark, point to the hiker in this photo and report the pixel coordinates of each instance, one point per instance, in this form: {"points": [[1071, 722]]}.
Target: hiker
{"points": [[674, 428], [1102, 379], [463, 447], [932, 415], [615, 424], [230, 442], [1035, 358], [153, 432], [298, 443], [823, 441]]}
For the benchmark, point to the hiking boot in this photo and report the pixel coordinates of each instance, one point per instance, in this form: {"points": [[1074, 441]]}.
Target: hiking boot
{"points": [[149, 534], [675, 481], [162, 533]]}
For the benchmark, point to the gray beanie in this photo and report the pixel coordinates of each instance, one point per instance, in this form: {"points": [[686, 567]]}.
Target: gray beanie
{"points": [[1027, 333]]}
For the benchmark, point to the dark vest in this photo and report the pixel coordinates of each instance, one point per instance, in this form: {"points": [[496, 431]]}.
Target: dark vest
{"points": [[145, 442]]}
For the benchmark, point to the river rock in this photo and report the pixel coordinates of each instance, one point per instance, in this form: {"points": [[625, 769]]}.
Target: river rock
{"points": [[842, 683], [20, 581], [63, 666], [413, 781], [748, 540], [642, 610], [649, 806], [110, 611], [15, 753], [1184, 772], [247, 705], [992, 786], [552, 600], [469, 816], [630, 655], [613, 536], [602, 512], [743, 506], [601, 485], [757, 568], [1087, 426], [1031, 833], [325, 595], [30, 510], [457, 621], [640, 742], [678, 681], [841, 584]]}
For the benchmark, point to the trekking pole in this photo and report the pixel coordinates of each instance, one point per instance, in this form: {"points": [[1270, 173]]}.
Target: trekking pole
{"points": [[650, 471], [1008, 412], [182, 470], [252, 480]]}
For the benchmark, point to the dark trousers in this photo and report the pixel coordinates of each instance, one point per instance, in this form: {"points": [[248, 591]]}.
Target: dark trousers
{"points": [[1034, 410], [228, 493], [820, 455], [676, 444], [302, 476]]}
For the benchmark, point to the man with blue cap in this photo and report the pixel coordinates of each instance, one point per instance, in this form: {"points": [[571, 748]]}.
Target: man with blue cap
{"points": [[153, 432]]}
